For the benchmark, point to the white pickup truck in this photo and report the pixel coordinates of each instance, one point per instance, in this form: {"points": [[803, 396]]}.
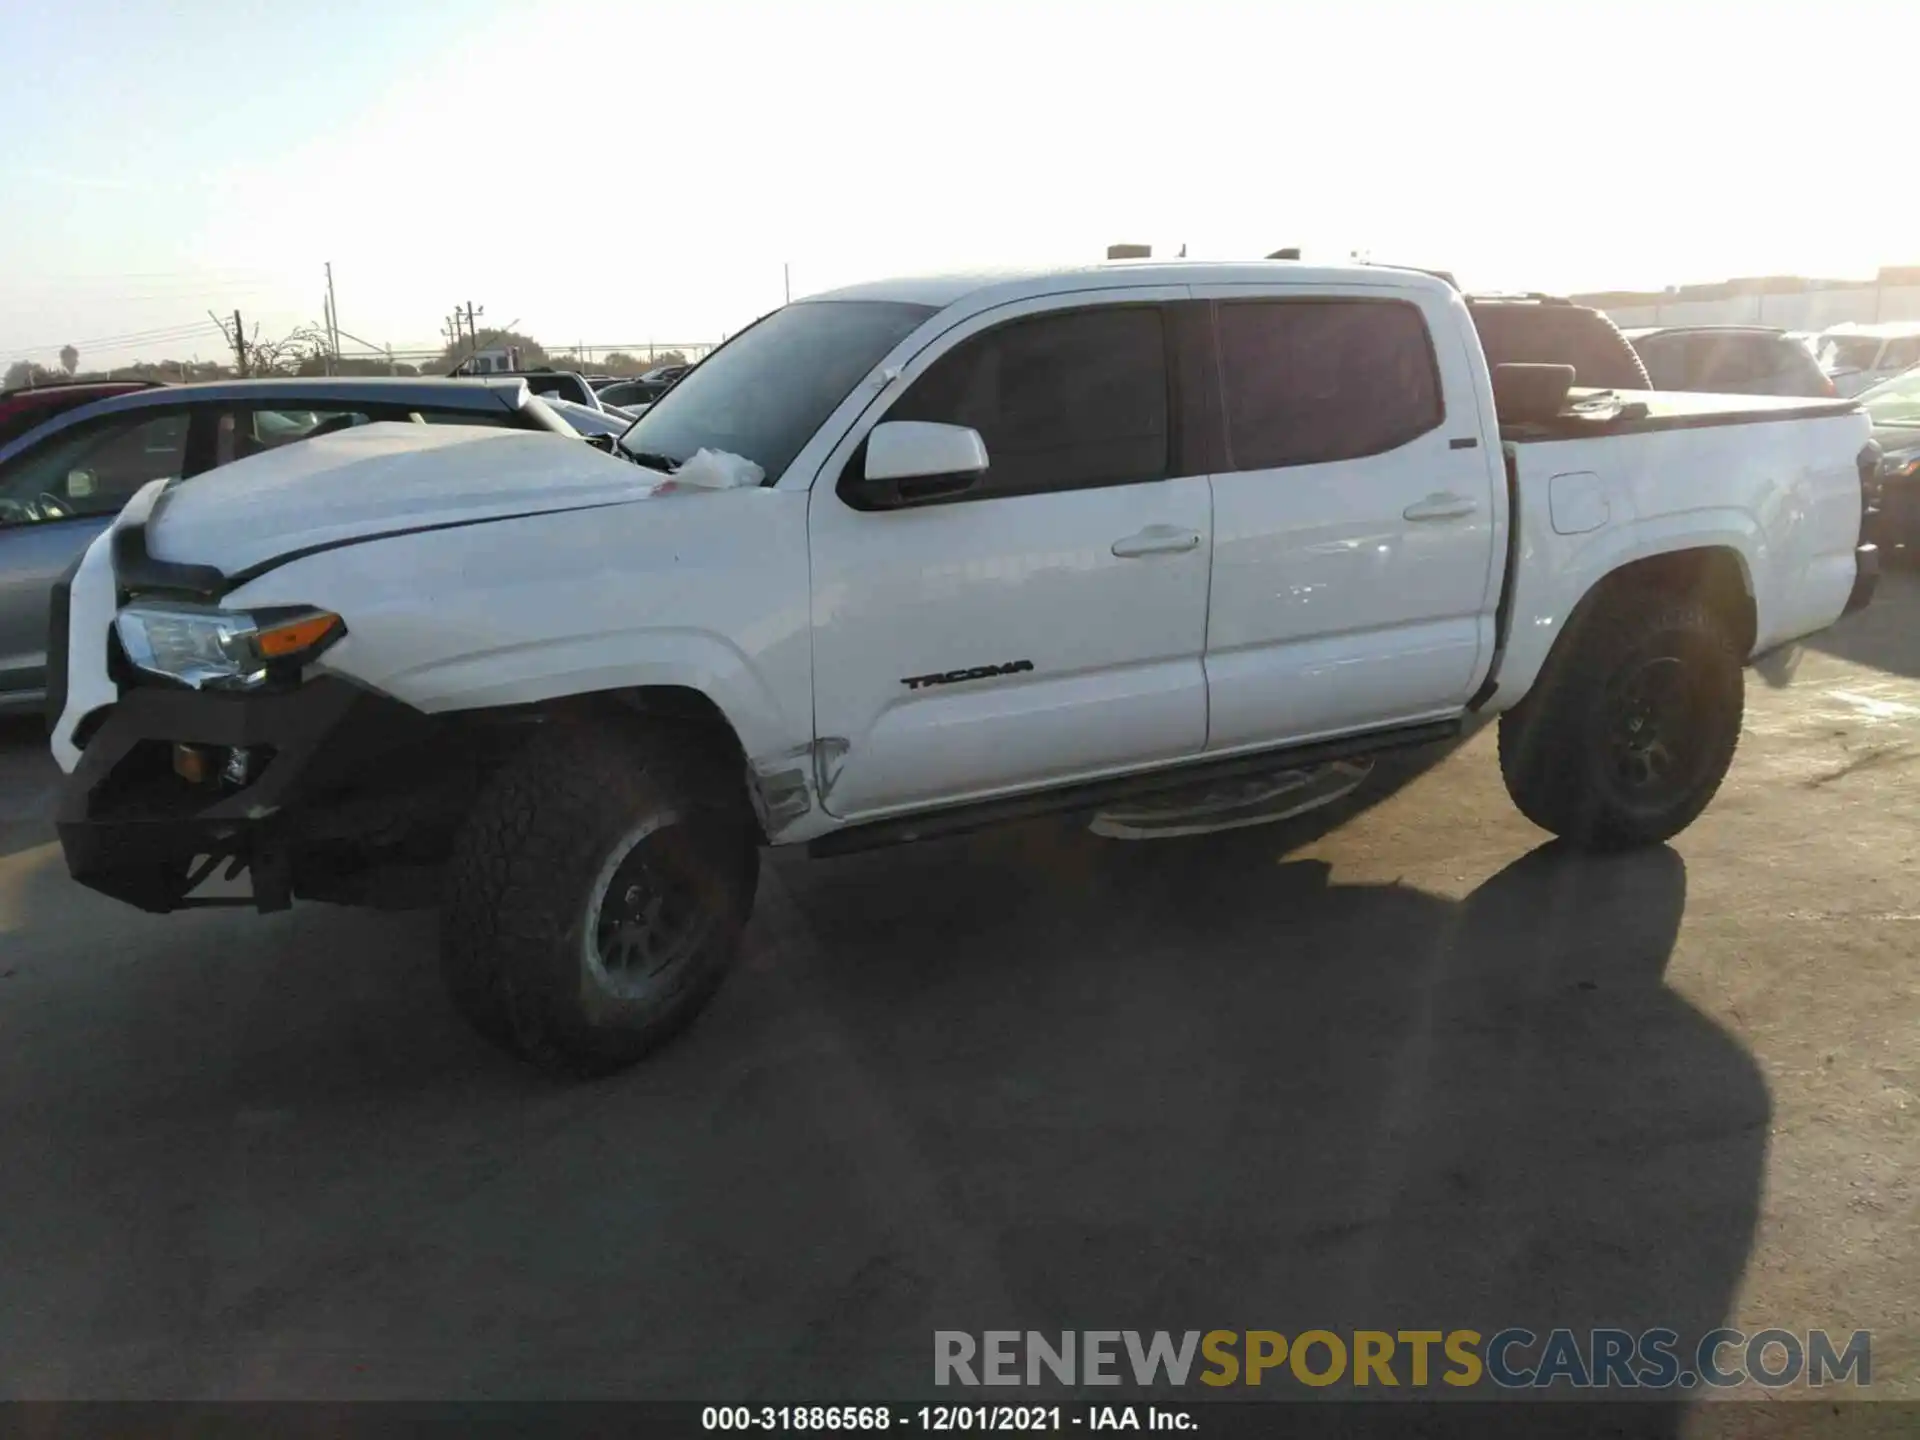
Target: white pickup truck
{"points": [[992, 545]]}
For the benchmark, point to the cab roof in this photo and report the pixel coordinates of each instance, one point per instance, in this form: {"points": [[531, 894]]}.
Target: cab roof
{"points": [[997, 286]]}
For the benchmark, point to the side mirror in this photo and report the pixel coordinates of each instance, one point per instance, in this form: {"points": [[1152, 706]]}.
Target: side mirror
{"points": [[910, 462]]}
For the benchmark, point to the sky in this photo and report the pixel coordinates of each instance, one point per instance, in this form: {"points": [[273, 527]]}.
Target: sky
{"points": [[620, 173]]}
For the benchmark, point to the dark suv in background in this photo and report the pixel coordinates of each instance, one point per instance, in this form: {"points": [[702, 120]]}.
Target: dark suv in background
{"points": [[1730, 360]]}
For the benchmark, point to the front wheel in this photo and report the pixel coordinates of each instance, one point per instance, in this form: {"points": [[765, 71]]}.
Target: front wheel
{"points": [[1632, 724], [597, 895]]}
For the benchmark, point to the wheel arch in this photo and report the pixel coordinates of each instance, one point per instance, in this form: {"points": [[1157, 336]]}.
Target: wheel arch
{"points": [[685, 709], [1716, 575], [1716, 567]]}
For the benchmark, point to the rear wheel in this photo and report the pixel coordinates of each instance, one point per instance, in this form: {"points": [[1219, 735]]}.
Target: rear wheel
{"points": [[1632, 724], [597, 895]]}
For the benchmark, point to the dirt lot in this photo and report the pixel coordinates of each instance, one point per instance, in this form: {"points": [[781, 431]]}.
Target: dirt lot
{"points": [[1406, 1067]]}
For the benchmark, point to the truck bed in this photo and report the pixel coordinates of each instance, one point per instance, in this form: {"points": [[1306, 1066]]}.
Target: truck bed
{"points": [[1594, 413]]}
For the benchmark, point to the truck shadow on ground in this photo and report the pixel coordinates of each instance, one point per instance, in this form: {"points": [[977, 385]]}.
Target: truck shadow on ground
{"points": [[1200, 1086], [1883, 635], [1023, 1080]]}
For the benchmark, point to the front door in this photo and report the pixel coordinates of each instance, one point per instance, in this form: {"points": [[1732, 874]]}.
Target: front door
{"points": [[1357, 530], [1046, 625], [54, 498]]}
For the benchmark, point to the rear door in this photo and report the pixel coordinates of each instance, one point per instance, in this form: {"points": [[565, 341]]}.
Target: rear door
{"points": [[1358, 520], [1047, 624]]}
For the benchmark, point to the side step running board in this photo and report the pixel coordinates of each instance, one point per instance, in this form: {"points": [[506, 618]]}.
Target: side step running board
{"points": [[1097, 794]]}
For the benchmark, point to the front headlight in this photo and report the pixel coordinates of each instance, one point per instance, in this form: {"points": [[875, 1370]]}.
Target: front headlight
{"points": [[1903, 465], [212, 649]]}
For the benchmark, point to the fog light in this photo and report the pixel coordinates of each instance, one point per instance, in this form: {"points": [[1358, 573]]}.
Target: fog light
{"points": [[239, 767], [192, 764]]}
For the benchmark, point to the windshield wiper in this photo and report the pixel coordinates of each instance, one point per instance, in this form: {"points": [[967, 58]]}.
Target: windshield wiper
{"points": [[653, 461]]}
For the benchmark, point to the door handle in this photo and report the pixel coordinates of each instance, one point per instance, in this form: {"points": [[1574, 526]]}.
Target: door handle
{"points": [[1441, 505], [1157, 540]]}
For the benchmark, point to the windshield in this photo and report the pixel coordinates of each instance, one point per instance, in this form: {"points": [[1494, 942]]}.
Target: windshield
{"points": [[764, 393], [1895, 401], [1849, 352]]}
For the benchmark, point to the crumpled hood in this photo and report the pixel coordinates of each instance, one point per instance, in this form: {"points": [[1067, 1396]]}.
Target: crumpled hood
{"points": [[380, 479]]}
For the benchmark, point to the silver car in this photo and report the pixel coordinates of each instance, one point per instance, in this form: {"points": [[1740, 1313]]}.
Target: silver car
{"points": [[62, 482]]}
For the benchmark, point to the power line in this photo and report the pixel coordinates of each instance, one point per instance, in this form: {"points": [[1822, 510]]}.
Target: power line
{"points": [[136, 335], [166, 336], [215, 274]]}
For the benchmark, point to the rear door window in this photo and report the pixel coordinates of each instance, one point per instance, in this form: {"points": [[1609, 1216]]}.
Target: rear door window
{"points": [[1669, 360], [1900, 355], [1735, 361], [253, 431], [1311, 381], [1848, 352]]}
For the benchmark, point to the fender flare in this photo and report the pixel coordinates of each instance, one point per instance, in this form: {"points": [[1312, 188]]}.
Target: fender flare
{"points": [[1541, 614], [527, 674]]}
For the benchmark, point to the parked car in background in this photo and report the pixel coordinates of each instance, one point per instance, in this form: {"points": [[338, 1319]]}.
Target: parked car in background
{"points": [[1729, 360], [644, 389], [608, 420], [21, 410], [1894, 407], [1858, 357], [1547, 330], [64, 480]]}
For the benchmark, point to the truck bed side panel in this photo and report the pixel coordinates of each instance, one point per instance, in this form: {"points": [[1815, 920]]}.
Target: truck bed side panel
{"points": [[1783, 496]]}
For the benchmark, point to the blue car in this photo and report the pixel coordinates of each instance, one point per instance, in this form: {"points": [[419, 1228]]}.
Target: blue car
{"points": [[62, 482]]}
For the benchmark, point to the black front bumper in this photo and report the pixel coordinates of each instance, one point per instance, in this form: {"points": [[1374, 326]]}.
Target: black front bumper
{"points": [[131, 828]]}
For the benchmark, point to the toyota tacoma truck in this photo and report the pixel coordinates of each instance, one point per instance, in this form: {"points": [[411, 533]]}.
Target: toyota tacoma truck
{"points": [[912, 558]]}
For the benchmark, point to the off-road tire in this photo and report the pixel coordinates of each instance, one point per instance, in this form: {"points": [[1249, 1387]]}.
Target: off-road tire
{"points": [[1558, 754], [516, 946]]}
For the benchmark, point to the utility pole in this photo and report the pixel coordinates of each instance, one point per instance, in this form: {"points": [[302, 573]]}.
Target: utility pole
{"points": [[473, 335], [238, 339], [786, 278], [333, 315]]}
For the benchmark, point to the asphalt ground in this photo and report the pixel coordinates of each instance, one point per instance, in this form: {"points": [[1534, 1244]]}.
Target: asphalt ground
{"points": [[1399, 1065]]}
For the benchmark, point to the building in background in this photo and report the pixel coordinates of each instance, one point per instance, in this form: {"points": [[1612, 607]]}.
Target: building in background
{"points": [[1786, 302], [494, 360]]}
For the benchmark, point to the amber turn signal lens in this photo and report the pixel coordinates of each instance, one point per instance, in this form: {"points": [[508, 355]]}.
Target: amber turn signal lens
{"points": [[192, 764], [291, 638]]}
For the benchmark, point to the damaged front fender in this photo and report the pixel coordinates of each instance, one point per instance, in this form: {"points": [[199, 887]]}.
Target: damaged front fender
{"points": [[788, 787]]}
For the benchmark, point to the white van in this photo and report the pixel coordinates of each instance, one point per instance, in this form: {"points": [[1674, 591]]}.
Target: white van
{"points": [[1857, 356]]}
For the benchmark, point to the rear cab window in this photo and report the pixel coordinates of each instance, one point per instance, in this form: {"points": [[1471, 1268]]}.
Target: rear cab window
{"points": [[1547, 332]]}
